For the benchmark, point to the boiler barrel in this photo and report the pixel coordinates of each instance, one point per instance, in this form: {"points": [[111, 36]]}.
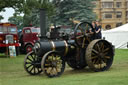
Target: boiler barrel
{"points": [[59, 46]]}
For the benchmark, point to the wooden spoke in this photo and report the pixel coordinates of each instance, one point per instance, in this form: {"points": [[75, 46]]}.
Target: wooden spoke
{"points": [[83, 43], [94, 57], [98, 61], [81, 29], [47, 64], [102, 46], [80, 36], [108, 57], [106, 49], [105, 53], [29, 66], [86, 27], [94, 61], [28, 58], [95, 51], [98, 47], [28, 62]]}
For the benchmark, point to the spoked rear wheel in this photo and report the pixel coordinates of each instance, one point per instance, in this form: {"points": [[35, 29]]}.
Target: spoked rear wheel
{"points": [[99, 55], [53, 64], [31, 64]]}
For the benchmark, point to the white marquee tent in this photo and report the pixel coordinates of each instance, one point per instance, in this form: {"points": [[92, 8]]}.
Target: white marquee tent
{"points": [[117, 36]]}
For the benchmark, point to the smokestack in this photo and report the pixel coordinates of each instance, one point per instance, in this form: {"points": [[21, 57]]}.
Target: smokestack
{"points": [[43, 23]]}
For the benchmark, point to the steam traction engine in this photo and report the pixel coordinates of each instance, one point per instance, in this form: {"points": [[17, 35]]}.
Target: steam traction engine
{"points": [[83, 50]]}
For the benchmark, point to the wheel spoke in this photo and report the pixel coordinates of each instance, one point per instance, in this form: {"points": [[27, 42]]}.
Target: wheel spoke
{"points": [[108, 57], [47, 65], [95, 51], [28, 62], [29, 59], [102, 46], [80, 36], [98, 47], [81, 29], [83, 43], [106, 50], [94, 61], [98, 61], [32, 56], [94, 57], [29, 66], [106, 53], [32, 69]]}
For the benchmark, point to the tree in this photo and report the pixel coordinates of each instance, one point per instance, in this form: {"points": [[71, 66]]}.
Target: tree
{"points": [[18, 20], [28, 8], [11, 3], [77, 9], [31, 11]]}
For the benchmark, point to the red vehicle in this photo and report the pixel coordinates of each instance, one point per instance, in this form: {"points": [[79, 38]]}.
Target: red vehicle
{"points": [[8, 37], [28, 38]]}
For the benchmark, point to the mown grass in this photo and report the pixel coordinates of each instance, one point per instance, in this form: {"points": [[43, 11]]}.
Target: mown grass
{"points": [[13, 73]]}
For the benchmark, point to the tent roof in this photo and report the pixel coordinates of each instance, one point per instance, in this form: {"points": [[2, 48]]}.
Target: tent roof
{"points": [[119, 29]]}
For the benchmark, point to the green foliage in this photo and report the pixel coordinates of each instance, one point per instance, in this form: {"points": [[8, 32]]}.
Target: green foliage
{"points": [[18, 20], [58, 11], [77, 9], [10, 3], [31, 11], [29, 8]]}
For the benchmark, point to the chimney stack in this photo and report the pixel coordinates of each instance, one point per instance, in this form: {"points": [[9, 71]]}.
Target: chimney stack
{"points": [[43, 23]]}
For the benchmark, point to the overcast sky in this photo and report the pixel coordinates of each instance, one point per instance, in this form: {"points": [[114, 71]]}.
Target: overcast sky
{"points": [[8, 13]]}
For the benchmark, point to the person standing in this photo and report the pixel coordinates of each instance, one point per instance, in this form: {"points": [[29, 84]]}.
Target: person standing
{"points": [[98, 30], [92, 30]]}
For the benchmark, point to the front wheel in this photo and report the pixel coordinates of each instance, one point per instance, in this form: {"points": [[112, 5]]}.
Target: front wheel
{"points": [[52, 64], [32, 64]]}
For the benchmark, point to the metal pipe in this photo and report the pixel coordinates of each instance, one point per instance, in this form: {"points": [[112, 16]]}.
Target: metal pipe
{"points": [[43, 23]]}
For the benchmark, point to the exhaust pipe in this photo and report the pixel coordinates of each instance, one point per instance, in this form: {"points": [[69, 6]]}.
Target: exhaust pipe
{"points": [[43, 23]]}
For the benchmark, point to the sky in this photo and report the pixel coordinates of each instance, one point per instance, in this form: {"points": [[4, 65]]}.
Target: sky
{"points": [[8, 13]]}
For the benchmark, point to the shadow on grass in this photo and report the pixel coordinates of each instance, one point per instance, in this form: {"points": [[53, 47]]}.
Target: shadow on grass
{"points": [[71, 71], [68, 72]]}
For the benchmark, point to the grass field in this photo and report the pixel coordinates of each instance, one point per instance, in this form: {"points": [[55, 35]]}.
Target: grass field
{"points": [[13, 73]]}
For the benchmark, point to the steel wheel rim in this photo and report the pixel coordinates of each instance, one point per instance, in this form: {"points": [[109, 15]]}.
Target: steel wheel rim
{"points": [[99, 55], [52, 64], [31, 65]]}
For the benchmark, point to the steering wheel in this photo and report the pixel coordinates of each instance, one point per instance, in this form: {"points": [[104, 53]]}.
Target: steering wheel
{"points": [[81, 34]]}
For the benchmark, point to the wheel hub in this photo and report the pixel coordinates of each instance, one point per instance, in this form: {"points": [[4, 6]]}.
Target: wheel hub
{"points": [[54, 63]]}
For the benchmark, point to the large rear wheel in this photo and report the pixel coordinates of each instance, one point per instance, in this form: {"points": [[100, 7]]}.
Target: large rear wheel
{"points": [[99, 55]]}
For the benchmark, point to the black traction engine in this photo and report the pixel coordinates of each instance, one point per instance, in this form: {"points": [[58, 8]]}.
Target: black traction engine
{"points": [[50, 55]]}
